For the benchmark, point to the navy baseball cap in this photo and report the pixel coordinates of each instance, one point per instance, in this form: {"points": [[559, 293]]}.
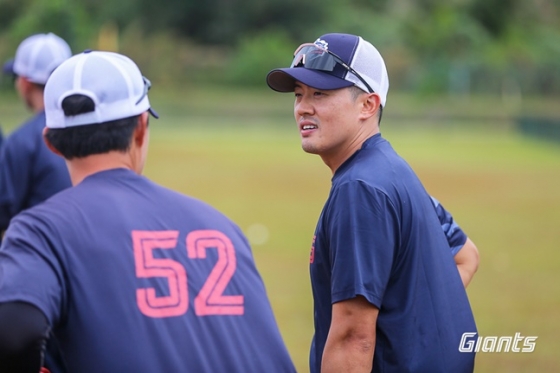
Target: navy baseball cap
{"points": [[334, 61], [8, 68]]}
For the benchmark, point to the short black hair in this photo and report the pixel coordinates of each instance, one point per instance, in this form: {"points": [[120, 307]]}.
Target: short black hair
{"points": [[98, 138]]}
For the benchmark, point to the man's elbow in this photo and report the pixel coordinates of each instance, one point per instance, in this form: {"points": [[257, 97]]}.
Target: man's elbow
{"points": [[473, 254], [467, 261]]}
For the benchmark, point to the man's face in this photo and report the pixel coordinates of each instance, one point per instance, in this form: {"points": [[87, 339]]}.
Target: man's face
{"points": [[328, 121], [22, 88]]}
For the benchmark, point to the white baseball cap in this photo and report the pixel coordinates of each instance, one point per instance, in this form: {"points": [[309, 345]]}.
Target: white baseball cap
{"points": [[37, 57], [334, 61], [112, 81]]}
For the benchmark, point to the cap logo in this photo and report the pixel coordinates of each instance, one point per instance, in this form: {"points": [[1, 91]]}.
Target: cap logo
{"points": [[322, 44]]}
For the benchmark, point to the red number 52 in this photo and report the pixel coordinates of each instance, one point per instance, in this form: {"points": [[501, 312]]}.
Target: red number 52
{"points": [[210, 300]]}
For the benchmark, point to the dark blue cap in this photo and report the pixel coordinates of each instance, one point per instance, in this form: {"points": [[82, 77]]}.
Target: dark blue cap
{"points": [[343, 45], [8, 67], [365, 68]]}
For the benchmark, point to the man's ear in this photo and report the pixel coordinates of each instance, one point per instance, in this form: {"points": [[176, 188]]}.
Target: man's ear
{"points": [[141, 129], [49, 145], [22, 86], [371, 104]]}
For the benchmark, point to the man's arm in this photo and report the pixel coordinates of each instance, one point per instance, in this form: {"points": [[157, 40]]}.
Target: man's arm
{"points": [[351, 341], [22, 337], [467, 261], [464, 250]]}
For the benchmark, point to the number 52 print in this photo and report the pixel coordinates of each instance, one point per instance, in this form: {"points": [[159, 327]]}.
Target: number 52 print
{"points": [[210, 300]]}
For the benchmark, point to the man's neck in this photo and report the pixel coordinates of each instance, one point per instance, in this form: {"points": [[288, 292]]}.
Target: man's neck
{"points": [[80, 168], [334, 161]]}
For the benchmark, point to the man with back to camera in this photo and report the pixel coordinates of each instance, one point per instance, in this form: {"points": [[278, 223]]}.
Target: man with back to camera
{"points": [[387, 295], [130, 276], [29, 172]]}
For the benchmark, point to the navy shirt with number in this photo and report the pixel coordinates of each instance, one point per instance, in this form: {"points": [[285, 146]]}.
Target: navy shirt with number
{"points": [[379, 236], [29, 172], [137, 278]]}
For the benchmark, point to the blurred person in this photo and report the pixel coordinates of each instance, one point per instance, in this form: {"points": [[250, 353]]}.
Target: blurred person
{"points": [[128, 275], [29, 172], [387, 294]]}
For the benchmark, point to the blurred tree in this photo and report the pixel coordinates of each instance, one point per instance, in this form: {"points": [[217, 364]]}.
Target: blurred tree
{"points": [[121, 12], [376, 5], [493, 15], [226, 21], [58, 16], [259, 54], [428, 43], [9, 11]]}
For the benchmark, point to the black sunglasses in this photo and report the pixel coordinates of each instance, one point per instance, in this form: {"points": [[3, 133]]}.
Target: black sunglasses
{"points": [[147, 86], [312, 56]]}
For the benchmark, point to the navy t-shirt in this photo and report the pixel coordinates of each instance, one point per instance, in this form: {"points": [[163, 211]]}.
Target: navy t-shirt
{"points": [[134, 277], [379, 236], [29, 172]]}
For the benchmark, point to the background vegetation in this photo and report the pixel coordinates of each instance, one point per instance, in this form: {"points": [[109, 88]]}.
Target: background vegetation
{"points": [[461, 47], [464, 74]]}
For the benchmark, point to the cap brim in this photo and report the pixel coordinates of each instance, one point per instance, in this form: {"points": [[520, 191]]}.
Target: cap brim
{"points": [[284, 80], [154, 113], [8, 67]]}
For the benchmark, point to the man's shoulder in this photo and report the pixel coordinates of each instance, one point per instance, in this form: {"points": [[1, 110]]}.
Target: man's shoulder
{"points": [[122, 185], [35, 124], [27, 134], [379, 174]]}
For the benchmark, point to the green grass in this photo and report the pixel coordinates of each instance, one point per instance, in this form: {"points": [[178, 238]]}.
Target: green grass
{"points": [[240, 152]]}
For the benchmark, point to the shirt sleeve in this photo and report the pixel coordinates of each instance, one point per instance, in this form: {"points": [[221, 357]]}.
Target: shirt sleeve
{"points": [[453, 232], [30, 271], [363, 234], [22, 337]]}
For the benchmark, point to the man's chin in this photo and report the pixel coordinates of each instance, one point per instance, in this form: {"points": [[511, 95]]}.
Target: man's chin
{"points": [[309, 149]]}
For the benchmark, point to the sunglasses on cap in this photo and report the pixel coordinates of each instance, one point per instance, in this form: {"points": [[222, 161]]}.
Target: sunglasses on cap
{"points": [[147, 86], [315, 57]]}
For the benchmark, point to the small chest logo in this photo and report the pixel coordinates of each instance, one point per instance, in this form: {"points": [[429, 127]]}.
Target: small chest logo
{"points": [[312, 253]]}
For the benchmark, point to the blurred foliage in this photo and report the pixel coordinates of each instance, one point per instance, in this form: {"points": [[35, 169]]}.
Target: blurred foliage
{"points": [[433, 46], [257, 55], [224, 22]]}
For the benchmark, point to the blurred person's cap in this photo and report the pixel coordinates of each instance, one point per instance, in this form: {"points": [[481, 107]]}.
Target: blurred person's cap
{"points": [[321, 65], [8, 67], [112, 81], [37, 57]]}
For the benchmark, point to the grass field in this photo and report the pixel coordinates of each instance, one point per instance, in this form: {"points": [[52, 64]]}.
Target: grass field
{"points": [[240, 152]]}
